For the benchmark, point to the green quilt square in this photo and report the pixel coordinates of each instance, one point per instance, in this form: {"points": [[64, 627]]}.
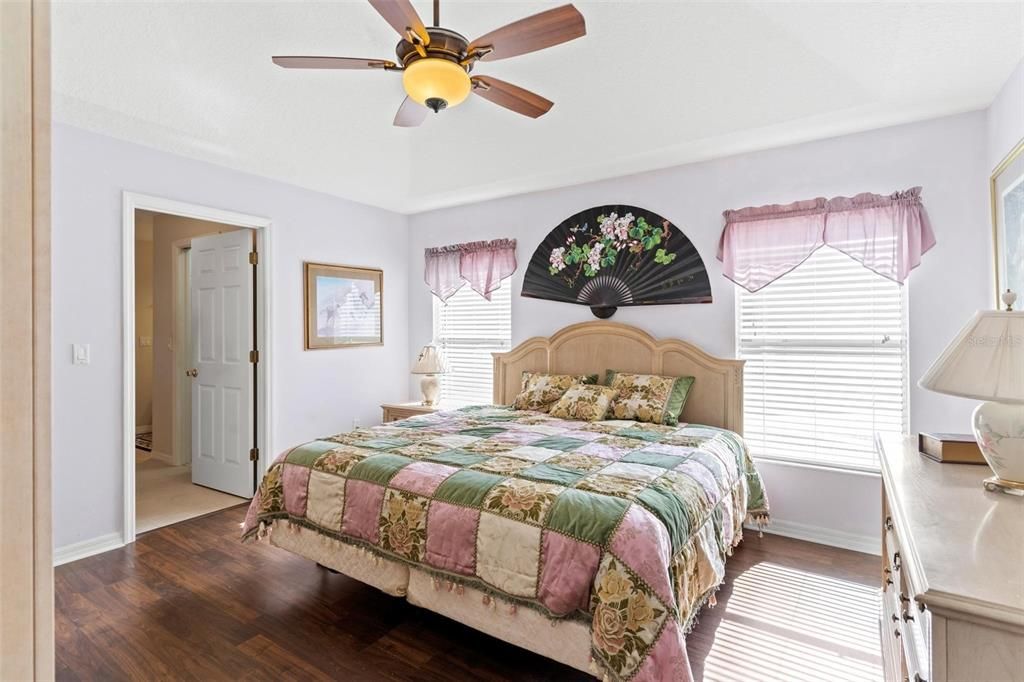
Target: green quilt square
{"points": [[562, 443], [589, 517], [654, 459], [385, 443], [551, 474], [379, 468], [672, 512], [483, 431], [305, 455], [641, 434], [467, 488], [456, 457]]}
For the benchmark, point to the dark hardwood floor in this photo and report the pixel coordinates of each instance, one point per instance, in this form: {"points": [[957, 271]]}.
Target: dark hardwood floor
{"points": [[190, 602]]}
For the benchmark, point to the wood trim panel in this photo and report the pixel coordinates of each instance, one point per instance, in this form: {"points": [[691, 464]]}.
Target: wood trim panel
{"points": [[26, 570], [716, 398]]}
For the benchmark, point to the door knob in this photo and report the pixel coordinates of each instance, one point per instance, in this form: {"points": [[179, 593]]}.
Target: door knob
{"points": [[192, 373]]}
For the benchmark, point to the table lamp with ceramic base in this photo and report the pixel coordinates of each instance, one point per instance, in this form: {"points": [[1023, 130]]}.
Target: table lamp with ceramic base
{"points": [[430, 364], [986, 362]]}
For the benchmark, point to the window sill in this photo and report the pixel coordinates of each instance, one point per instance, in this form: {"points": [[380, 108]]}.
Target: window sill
{"points": [[873, 472]]}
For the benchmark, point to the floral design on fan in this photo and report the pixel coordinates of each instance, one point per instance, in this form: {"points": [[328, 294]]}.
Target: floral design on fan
{"points": [[599, 248]]}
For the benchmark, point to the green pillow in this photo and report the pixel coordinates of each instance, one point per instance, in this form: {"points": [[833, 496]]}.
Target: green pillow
{"points": [[648, 397]]}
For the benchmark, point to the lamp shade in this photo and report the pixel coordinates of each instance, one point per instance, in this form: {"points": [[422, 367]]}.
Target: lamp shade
{"points": [[430, 361], [984, 362]]}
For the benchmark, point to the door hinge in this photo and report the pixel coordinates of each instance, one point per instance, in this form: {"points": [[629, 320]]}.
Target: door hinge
{"points": [[254, 258], [254, 356], [254, 454]]}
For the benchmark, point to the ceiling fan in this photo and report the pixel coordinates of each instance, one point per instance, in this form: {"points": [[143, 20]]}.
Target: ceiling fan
{"points": [[435, 62]]}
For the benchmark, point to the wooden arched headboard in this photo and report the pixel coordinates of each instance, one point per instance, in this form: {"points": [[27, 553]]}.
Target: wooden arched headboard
{"points": [[716, 398]]}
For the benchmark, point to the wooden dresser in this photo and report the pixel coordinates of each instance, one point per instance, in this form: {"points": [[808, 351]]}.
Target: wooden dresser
{"points": [[391, 412], [952, 571]]}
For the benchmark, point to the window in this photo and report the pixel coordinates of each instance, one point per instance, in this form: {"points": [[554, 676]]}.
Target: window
{"points": [[826, 352], [468, 328]]}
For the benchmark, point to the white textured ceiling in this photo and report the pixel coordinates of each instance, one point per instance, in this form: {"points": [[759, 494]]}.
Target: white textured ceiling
{"points": [[653, 84]]}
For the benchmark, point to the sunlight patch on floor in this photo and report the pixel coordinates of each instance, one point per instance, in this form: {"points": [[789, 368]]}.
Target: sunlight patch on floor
{"points": [[788, 625]]}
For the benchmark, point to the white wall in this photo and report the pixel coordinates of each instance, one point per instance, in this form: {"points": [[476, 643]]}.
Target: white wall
{"points": [[1006, 118], [946, 156], [316, 393]]}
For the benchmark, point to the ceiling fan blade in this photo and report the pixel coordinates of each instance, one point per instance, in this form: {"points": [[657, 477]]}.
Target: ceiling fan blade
{"points": [[403, 17], [533, 33], [410, 114], [511, 96], [332, 63]]}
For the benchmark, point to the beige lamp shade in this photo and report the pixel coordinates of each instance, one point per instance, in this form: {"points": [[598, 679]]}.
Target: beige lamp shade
{"points": [[984, 362], [430, 361]]}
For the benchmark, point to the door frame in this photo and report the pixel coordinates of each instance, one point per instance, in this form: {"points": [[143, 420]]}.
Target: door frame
{"points": [[132, 201]]}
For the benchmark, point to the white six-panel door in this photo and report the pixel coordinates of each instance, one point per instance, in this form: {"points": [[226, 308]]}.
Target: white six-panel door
{"points": [[221, 284]]}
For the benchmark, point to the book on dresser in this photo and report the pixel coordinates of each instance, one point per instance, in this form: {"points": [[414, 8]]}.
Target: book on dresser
{"points": [[952, 571], [958, 448]]}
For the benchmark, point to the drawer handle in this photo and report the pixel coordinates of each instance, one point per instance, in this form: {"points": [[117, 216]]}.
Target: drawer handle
{"points": [[888, 523], [895, 618], [896, 633], [896, 565], [904, 598], [907, 617]]}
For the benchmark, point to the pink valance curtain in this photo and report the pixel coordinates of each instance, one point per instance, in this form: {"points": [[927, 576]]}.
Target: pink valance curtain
{"points": [[887, 234], [482, 265]]}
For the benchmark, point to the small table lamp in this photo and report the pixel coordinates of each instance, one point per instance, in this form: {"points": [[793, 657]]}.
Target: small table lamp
{"points": [[986, 362], [430, 363]]}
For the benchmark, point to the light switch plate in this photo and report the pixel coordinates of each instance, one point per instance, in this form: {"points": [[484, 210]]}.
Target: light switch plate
{"points": [[80, 353]]}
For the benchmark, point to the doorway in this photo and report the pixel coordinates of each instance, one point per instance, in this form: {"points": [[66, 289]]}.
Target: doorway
{"points": [[196, 357]]}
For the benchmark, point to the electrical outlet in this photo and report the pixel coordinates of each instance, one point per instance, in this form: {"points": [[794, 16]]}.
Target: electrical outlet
{"points": [[356, 423], [80, 353]]}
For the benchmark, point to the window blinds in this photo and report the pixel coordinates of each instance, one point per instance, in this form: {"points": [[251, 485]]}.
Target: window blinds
{"points": [[468, 328], [826, 352]]}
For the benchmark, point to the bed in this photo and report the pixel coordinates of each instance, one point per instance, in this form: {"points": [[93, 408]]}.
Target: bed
{"points": [[592, 543]]}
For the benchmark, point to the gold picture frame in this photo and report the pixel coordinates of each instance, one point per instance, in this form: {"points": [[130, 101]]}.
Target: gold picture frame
{"points": [[344, 306], [1006, 194]]}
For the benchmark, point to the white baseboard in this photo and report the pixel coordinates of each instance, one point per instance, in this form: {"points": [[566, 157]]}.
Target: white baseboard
{"points": [[869, 544], [80, 550], [162, 456]]}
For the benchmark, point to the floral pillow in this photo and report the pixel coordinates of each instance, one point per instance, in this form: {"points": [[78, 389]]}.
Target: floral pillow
{"points": [[584, 402], [541, 391], [648, 397]]}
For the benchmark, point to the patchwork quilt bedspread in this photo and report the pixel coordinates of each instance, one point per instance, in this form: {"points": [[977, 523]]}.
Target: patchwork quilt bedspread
{"points": [[623, 525]]}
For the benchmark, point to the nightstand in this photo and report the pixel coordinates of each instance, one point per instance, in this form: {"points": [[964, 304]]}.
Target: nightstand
{"points": [[396, 411]]}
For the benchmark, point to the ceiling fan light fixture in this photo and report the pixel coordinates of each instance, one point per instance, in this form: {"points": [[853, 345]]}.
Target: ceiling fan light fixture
{"points": [[436, 83]]}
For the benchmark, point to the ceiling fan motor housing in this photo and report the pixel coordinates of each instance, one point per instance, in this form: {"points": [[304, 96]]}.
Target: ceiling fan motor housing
{"points": [[444, 44]]}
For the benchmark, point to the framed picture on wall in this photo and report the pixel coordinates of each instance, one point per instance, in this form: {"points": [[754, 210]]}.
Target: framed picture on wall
{"points": [[344, 306], [1007, 190]]}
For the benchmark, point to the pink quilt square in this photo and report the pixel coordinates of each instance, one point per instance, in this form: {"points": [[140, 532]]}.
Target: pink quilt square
{"points": [[422, 478], [361, 517], [602, 450], [642, 543], [451, 537], [568, 573], [295, 480]]}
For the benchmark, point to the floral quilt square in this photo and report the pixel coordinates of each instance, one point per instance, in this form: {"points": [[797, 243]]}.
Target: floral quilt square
{"points": [[403, 523], [489, 447], [625, 488], [421, 450], [627, 617], [340, 460], [588, 464], [522, 500], [507, 466]]}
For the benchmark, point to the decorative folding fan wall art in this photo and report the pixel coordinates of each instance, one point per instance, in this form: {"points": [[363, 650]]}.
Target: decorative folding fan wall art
{"points": [[607, 257]]}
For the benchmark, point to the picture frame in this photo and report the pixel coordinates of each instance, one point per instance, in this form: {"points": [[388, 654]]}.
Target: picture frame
{"points": [[344, 306], [1006, 189]]}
